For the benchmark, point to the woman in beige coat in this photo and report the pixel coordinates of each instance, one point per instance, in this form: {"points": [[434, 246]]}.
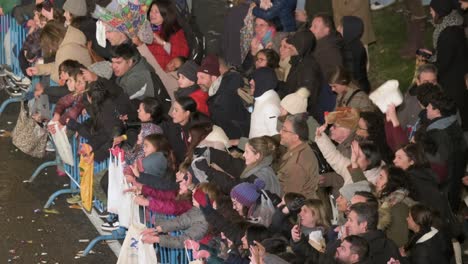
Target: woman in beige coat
{"points": [[358, 8]]}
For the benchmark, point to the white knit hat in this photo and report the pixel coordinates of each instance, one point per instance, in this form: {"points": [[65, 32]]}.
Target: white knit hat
{"points": [[76, 7], [296, 103]]}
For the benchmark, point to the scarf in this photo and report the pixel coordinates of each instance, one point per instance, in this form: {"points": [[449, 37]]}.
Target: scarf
{"points": [[452, 19]]}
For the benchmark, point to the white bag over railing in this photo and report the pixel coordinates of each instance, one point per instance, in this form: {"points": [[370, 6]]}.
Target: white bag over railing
{"points": [[115, 186], [127, 212], [62, 144]]}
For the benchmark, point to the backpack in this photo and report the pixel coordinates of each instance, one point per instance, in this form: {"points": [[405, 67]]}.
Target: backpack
{"points": [[193, 35]]}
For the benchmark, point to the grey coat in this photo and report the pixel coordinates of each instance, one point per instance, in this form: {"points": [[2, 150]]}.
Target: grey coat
{"points": [[264, 171], [136, 78]]}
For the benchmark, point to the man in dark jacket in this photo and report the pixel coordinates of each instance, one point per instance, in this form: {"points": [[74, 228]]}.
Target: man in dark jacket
{"points": [[224, 104], [305, 71]]}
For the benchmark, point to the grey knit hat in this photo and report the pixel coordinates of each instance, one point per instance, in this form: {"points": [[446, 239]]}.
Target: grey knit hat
{"points": [[76, 7], [348, 190], [189, 69]]}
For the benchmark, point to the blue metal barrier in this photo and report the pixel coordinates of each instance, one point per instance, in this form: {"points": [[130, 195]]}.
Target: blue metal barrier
{"points": [[12, 37]]}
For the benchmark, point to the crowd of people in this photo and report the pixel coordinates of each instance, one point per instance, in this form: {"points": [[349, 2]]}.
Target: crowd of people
{"points": [[272, 150]]}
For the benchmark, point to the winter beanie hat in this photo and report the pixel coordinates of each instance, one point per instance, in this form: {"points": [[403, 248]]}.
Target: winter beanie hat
{"points": [[210, 65], [247, 193], [265, 79], [155, 164], [76, 7], [441, 7], [189, 70], [348, 190], [296, 103]]}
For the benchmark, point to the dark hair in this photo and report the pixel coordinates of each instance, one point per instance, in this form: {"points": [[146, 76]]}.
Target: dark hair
{"points": [[275, 245], [423, 217], [327, 21], [32, 47], [370, 197], [375, 129], [99, 94], [187, 103], [161, 144], [72, 68], [299, 125], [294, 201], [125, 51], [416, 154], [443, 103], [372, 153], [359, 246], [272, 57], [340, 76], [51, 37], [424, 92], [397, 179], [256, 233], [199, 127], [168, 11], [153, 107], [366, 213]]}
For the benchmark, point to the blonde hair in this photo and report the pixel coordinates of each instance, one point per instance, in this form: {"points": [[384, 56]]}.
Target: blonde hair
{"points": [[318, 209]]}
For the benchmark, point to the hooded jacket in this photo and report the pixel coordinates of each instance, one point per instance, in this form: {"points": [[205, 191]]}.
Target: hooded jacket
{"points": [[355, 55], [329, 53], [73, 47], [305, 71]]}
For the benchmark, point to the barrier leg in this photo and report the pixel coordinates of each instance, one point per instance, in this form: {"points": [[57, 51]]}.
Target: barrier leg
{"points": [[118, 234], [57, 193], [9, 101], [40, 168]]}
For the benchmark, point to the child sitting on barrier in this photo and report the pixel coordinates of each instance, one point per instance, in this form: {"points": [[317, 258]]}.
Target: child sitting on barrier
{"points": [[192, 223]]}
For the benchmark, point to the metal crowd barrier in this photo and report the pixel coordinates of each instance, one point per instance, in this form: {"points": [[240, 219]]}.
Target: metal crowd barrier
{"points": [[12, 37]]}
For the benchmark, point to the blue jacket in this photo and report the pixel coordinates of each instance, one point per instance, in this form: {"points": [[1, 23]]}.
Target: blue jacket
{"points": [[282, 10]]}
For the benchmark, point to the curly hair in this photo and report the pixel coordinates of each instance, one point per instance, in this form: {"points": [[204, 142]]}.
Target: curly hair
{"points": [[396, 179]]}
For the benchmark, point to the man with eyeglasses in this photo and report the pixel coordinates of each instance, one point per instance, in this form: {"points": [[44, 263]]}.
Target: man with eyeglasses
{"points": [[298, 170]]}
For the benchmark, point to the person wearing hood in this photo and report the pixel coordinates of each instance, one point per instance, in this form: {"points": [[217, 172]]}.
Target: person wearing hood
{"points": [[305, 70], [188, 86], [267, 103], [355, 55], [450, 54]]}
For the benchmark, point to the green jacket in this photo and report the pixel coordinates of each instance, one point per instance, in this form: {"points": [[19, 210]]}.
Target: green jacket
{"points": [[8, 5]]}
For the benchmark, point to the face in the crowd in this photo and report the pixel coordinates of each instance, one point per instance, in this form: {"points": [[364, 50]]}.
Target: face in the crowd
{"points": [[142, 114], [381, 181], [173, 65], [287, 50], [339, 88], [80, 83], [433, 13], [261, 27], [411, 224], [344, 254], [362, 160], [341, 204], [184, 82], [362, 128], [121, 66], [250, 155], [245, 243], [283, 112], [68, 17], [318, 28], [426, 77], [155, 16], [355, 228], [287, 134], [260, 60], [339, 134], [179, 115], [238, 207], [71, 83], [148, 148], [402, 160], [463, 5], [49, 15], [252, 86], [205, 80], [308, 217], [431, 112]]}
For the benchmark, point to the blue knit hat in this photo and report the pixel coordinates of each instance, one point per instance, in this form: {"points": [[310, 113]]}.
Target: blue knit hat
{"points": [[247, 193]]}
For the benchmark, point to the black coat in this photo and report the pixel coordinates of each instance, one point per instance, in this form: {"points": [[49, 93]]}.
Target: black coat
{"points": [[381, 249], [230, 39], [227, 109], [452, 58], [436, 250], [177, 137]]}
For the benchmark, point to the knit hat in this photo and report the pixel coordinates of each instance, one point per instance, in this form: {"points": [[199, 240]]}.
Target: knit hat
{"points": [[200, 196], [348, 190], [189, 70], [219, 136], [210, 65], [296, 103], [247, 193], [346, 117], [265, 80], [303, 41], [442, 7], [155, 164], [76, 7]]}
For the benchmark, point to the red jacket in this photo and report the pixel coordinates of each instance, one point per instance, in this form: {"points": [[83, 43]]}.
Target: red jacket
{"points": [[179, 47], [198, 95], [164, 202], [73, 102]]}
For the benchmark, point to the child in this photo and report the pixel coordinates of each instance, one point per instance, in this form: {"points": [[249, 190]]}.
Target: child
{"points": [[188, 86], [175, 63]]}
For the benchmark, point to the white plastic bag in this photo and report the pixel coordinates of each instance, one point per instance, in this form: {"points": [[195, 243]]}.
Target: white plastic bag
{"points": [[115, 186], [62, 144], [127, 210]]}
